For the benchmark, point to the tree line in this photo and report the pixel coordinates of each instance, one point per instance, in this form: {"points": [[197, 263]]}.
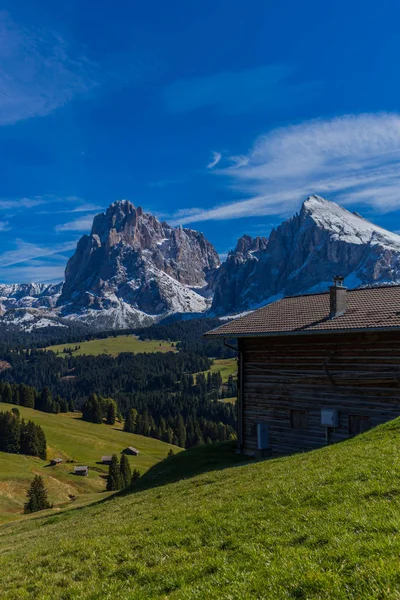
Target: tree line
{"points": [[189, 336], [30, 397], [164, 388], [97, 409], [18, 436]]}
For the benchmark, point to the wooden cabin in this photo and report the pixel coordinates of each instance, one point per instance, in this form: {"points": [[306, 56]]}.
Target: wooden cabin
{"points": [[131, 450], [84, 471], [55, 461], [316, 369], [106, 460]]}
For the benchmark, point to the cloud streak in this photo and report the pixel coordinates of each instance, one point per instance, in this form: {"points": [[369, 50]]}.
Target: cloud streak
{"points": [[216, 157], [39, 72], [25, 252], [354, 159], [81, 224]]}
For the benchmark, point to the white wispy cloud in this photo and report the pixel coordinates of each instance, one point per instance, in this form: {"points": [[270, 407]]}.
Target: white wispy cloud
{"points": [[216, 157], [72, 210], [39, 72], [26, 251], [81, 224], [238, 161], [29, 262], [42, 71], [15, 203], [4, 226], [354, 159]]}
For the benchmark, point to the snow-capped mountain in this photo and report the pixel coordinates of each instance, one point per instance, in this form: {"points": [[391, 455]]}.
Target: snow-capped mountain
{"points": [[132, 270], [29, 295], [303, 254]]}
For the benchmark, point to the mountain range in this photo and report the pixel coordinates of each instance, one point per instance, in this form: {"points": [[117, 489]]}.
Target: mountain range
{"points": [[133, 270]]}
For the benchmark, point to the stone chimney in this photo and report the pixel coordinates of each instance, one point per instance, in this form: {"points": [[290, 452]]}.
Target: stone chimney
{"points": [[338, 297]]}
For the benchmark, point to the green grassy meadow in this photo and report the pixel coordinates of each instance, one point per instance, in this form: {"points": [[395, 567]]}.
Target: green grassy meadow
{"points": [[204, 524], [226, 366], [70, 438], [114, 346]]}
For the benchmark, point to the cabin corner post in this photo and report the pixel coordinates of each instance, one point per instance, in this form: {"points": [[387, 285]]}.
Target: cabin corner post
{"points": [[240, 398]]}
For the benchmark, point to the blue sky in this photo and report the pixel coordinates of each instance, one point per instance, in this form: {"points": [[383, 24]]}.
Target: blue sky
{"points": [[220, 115]]}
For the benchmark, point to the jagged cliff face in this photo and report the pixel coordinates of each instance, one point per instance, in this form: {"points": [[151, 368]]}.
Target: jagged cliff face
{"points": [[132, 268], [233, 276], [303, 254]]}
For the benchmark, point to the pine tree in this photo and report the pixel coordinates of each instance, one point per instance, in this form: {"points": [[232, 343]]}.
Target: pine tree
{"points": [[135, 475], [45, 401], [97, 412], [37, 496], [111, 413], [92, 410], [33, 440], [41, 442], [63, 404], [130, 421], [10, 430], [7, 393], [114, 475], [26, 396], [125, 470], [181, 431]]}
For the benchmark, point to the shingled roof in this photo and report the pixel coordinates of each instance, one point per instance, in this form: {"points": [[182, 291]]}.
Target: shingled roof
{"points": [[373, 308]]}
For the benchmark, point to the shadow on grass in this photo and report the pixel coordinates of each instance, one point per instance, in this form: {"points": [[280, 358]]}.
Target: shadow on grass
{"points": [[202, 459]]}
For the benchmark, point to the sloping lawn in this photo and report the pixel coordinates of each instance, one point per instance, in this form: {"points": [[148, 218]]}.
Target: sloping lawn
{"points": [[70, 438], [319, 525]]}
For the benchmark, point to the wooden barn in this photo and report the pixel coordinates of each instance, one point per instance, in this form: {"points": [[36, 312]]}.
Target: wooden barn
{"points": [[131, 450], [316, 369], [83, 471], [106, 460]]}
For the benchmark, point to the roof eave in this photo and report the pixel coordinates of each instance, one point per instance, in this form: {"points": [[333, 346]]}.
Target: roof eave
{"points": [[308, 332]]}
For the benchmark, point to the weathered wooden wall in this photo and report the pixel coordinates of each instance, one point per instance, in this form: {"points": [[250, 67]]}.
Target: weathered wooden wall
{"points": [[357, 374]]}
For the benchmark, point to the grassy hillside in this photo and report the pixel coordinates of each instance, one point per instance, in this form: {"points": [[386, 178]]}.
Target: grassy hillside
{"points": [[226, 366], [114, 346], [324, 524], [70, 438]]}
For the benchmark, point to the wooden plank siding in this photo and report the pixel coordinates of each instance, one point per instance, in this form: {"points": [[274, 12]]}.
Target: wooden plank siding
{"points": [[356, 374]]}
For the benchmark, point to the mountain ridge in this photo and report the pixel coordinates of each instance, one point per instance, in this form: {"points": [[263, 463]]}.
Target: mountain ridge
{"points": [[304, 253], [133, 270]]}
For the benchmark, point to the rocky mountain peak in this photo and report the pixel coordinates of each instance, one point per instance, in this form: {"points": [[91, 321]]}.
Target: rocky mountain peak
{"points": [[247, 244], [132, 269], [132, 263], [304, 253]]}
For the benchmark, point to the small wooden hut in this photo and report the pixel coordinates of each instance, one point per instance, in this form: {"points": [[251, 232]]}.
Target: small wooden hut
{"points": [[131, 450], [84, 471]]}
